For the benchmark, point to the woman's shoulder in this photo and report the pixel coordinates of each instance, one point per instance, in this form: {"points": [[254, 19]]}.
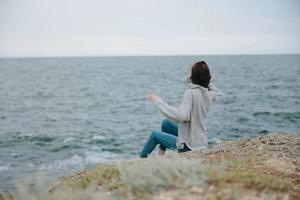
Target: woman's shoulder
{"points": [[192, 87]]}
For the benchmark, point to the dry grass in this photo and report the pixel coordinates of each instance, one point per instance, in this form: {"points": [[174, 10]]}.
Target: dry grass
{"points": [[213, 175], [150, 177], [136, 180]]}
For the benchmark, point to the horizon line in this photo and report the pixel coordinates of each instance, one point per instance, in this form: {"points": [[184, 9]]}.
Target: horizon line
{"points": [[145, 55]]}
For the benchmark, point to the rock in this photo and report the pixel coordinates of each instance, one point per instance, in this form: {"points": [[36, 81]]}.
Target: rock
{"points": [[267, 167]]}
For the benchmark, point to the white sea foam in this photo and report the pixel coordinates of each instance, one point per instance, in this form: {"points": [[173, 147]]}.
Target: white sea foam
{"points": [[69, 139], [30, 165], [79, 161], [4, 168], [99, 157], [74, 161], [216, 140], [98, 137]]}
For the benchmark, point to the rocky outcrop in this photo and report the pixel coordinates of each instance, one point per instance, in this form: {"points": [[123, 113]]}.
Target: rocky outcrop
{"points": [[267, 167]]}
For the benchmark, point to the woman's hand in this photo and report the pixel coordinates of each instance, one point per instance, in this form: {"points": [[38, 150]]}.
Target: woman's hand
{"points": [[153, 97]]}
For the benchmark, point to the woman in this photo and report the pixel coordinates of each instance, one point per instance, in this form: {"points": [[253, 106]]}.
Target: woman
{"points": [[191, 117]]}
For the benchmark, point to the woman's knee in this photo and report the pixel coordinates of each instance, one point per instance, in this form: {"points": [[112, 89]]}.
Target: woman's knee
{"points": [[164, 124], [153, 134]]}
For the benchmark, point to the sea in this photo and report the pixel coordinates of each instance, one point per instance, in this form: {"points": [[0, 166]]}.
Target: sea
{"points": [[61, 115]]}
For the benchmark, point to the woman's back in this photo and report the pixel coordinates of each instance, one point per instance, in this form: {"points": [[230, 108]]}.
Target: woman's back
{"points": [[194, 131], [191, 116]]}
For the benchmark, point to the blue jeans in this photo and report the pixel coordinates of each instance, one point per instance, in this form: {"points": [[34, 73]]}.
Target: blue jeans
{"points": [[166, 138]]}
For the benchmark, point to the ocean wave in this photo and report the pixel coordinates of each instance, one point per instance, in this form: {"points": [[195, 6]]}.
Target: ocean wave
{"points": [[99, 139], [214, 141], [78, 161], [263, 132], [97, 104], [114, 150], [65, 147], [291, 116], [51, 119], [92, 157], [243, 119], [42, 95], [32, 138], [74, 161], [69, 140], [5, 167]]}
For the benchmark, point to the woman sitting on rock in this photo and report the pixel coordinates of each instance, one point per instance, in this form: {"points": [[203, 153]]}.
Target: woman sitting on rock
{"points": [[185, 127]]}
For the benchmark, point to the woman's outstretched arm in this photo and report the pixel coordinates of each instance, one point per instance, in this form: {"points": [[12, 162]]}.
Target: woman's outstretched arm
{"points": [[176, 114], [215, 92]]}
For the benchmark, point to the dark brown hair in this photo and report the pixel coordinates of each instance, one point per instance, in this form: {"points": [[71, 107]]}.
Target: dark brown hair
{"points": [[200, 74]]}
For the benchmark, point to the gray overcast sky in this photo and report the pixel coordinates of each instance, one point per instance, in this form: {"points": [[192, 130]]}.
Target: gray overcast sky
{"points": [[148, 27]]}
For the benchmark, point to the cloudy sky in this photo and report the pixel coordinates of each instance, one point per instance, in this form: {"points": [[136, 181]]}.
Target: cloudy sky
{"points": [[148, 27]]}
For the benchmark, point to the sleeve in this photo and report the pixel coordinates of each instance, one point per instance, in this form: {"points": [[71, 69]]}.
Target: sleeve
{"points": [[215, 92], [176, 114]]}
